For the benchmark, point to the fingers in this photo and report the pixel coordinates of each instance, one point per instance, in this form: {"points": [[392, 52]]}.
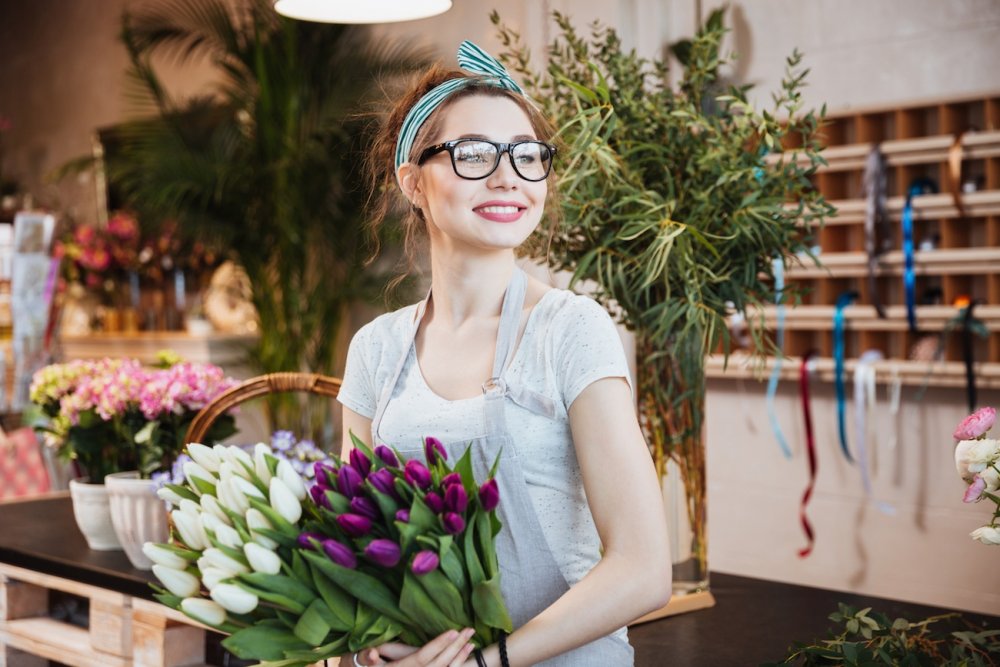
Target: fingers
{"points": [[448, 649]]}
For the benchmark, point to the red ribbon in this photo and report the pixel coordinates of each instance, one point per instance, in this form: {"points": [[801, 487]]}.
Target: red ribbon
{"points": [[810, 450]]}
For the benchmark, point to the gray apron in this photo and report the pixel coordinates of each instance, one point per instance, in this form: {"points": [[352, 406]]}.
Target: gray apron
{"points": [[530, 579]]}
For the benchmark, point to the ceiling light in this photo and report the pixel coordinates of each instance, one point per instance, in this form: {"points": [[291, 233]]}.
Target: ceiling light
{"points": [[360, 11]]}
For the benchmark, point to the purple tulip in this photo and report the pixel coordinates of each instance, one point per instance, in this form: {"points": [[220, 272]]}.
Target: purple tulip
{"points": [[354, 525], [451, 478], [433, 449], [387, 456], [360, 462], [489, 495], [453, 523], [417, 474], [455, 498], [424, 562], [306, 539], [365, 507], [318, 493], [383, 480], [340, 554], [403, 515], [349, 481], [434, 502], [325, 474], [383, 552]]}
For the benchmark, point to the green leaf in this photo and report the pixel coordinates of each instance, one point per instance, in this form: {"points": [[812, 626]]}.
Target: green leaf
{"points": [[475, 568], [415, 602], [446, 597], [312, 627], [279, 589], [263, 643], [362, 586], [183, 491], [338, 601], [488, 604], [451, 565]]}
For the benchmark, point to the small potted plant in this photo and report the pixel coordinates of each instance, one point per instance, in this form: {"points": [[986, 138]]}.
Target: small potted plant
{"points": [[119, 422]]}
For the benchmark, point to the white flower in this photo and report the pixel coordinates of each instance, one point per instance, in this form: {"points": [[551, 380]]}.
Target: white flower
{"points": [[228, 470], [163, 556], [168, 495], [225, 535], [247, 488], [190, 507], [191, 531], [261, 453], [206, 611], [213, 576], [234, 598], [204, 456], [230, 497], [291, 479], [284, 501], [178, 582], [192, 470], [239, 459], [210, 505], [255, 521], [261, 559], [216, 558], [986, 535], [992, 479]]}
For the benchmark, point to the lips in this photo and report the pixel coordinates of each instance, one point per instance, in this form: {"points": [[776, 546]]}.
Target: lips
{"points": [[501, 211]]}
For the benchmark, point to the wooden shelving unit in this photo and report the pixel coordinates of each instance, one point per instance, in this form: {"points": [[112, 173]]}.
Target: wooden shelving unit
{"points": [[956, 230]]}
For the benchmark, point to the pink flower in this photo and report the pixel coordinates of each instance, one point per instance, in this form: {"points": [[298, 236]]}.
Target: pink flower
{"points": [[975, 490], [976, 425]]}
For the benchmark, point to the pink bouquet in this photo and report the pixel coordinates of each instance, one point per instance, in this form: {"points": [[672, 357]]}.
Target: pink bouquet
{"points": [[977, 459]]}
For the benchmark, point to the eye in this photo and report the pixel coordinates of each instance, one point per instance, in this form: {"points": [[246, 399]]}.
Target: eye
{"points": [[474, 153]]}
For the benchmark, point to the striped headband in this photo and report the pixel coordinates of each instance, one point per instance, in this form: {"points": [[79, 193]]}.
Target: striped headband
{"points": [[484, 68]]}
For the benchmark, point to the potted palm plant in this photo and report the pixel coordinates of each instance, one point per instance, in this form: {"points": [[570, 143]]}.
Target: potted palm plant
{"points": [[672, 210]]}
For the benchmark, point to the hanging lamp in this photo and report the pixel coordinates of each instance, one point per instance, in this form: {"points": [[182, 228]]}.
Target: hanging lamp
{"points": [[363, 11]]}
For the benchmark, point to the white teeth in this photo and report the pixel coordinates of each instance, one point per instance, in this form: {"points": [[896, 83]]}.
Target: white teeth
{"points": [[502, 210]]}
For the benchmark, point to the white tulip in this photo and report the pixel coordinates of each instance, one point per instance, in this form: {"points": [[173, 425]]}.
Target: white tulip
{"points": [[192, 532], [231, 497], [227, 536], [262, 559], [213, 576], [190, 507], [239, 459], [192, 470], [178, 582], [284, 501], [169, 495], [248, 489], [234, 598], [255, 521], [216, 558], [163, 556], [205, 611], [227, 471], [986, 535], [260, 467], [204, 456], [292, 479], [210, 505]]}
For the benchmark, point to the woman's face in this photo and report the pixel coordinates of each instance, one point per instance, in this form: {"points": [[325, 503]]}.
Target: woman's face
{"points": [[496, 212]]}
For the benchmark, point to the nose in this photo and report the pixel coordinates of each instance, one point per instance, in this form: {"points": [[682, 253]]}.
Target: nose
{"points": [[504, 175]]}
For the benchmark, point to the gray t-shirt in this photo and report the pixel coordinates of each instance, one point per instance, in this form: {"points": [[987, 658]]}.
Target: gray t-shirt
{"points": [[568, 343]]}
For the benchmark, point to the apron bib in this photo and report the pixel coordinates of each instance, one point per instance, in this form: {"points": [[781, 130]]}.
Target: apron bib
{"points": [[530, 578]]}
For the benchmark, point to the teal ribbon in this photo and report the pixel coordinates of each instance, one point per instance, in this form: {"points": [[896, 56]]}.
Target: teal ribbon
{"points": [[485, 70], [843, 301], [778, 266], [909, 279]]}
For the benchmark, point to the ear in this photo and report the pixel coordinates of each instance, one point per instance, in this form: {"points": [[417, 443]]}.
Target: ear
{"points": [[407, 176]]}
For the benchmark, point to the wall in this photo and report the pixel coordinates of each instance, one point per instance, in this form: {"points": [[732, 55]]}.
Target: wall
{"points": [[62, 77]]}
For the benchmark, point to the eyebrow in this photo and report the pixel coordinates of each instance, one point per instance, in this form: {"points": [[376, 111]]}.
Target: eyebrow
{"points": [[520, 137]]}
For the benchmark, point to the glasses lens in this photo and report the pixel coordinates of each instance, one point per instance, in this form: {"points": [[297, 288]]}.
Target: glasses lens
{"points": [[532, 160], [474, 159]]}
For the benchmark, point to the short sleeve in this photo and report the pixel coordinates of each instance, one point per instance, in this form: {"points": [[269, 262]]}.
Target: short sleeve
{"points": [[357, 391], [588, 348]]}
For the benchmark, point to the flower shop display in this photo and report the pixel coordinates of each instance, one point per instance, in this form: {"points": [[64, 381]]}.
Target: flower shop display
{"points": [[677, 201], [377, 549], [977, 459]]}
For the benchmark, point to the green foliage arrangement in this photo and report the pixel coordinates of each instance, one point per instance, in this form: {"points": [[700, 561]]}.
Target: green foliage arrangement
{"points": [[675, 201], [870, 638], [266, 163]]}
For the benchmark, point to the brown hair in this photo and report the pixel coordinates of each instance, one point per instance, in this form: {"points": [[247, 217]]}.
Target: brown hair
{"points": [[385, 196]]}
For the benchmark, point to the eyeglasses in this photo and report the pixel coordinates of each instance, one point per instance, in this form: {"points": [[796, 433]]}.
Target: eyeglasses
{"points": [[475, 159]]}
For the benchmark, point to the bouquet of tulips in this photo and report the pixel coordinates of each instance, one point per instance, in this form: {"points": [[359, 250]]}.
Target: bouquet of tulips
{"points": [[977, 458], [378, 549]]}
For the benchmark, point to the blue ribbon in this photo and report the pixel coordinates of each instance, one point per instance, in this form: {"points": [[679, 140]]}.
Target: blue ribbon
{"points": [[778, 266], [909, 280], [843, 301]]}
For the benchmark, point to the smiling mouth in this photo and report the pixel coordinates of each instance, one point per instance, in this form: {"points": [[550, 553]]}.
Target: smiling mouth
{"points": [[500, 210]]}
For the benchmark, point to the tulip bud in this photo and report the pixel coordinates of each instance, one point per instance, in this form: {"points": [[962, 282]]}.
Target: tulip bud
{"points": [[451, 478], [160, 555], [384, 481], [387, 456], [169, 496], [318, 493], [284, 501], [210, 505], [204, 456], [261, 559], [213, 576], [192, 470], [178, 582], [417, 474], [241, 461], [234, 598], [354, 525], [247, 488], [190, 529], [224, 535], [205, 611], [216, 558], [383, 552], [424, 562], [434, 449], [403, 515], [365, 507], [340, 554], [260, 467], [349, 481], [255, 521], [434, 502], [190, 507], [292, 479], [306, 539], [455, 498], [360, 462], [325, 474], [230, 497], [489, 495], [453, 523]]}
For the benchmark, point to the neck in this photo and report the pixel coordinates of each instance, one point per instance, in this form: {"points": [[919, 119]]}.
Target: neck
{"points": [[467, 287]]}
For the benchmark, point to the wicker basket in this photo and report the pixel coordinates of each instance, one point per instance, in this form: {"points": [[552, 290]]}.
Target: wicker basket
{"points": [[272, 383]]}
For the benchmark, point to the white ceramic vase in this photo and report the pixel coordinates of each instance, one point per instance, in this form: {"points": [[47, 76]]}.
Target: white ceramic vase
{"points": [[138, 515], [93, 515]]}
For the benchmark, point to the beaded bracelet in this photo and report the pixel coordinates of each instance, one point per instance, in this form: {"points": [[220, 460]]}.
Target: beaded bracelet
{"points": [[504, 662], [480, 660]]}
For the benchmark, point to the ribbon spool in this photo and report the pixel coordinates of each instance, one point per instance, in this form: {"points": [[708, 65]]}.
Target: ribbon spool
{"points": [[805, 368], [919, 186], [876, 219], [843, 301], [778, 265]]}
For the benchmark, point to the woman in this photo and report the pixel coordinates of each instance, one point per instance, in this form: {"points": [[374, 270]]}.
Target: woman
{"points": [[516, 368]]}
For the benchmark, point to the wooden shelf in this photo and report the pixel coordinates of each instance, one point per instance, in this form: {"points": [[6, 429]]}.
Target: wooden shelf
{"points": [[820, 318], [219, 349], [934, 206], [962, 261]]}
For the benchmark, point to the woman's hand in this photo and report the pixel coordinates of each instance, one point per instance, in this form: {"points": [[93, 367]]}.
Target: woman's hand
{"points": [[450, 649]]}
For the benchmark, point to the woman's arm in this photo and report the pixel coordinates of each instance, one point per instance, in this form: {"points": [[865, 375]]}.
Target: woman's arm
{"points": [[633, 576], [359, 425]]}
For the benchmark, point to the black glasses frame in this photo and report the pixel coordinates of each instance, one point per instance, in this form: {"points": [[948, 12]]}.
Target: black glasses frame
{"points": [[501, 147]]}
